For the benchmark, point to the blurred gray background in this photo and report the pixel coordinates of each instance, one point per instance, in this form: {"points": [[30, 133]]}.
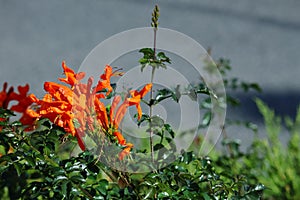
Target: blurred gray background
{"points": [[260, 37]]}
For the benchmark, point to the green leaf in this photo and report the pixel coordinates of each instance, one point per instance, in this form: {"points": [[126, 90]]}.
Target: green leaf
{"points": [[176, 95], [93, 168], [206, 119], [162, 94], [147, 51], [170, 130], [206, 103], [18, 168], [256, 87], [30, 160], [157, 121], [163, 58], [64, 188], [102, 186], [158, 146], [4, 113], [148, 193], [163, 195], [59, 179], [205, 196], [143, 119], [16, 123], [143, 60], [77, 179]]}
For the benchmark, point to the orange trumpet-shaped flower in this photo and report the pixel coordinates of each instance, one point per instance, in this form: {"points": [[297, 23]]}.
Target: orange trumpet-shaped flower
{"points": [[71, 77], [24, 103], [101, 114], [116, 118], [125, 151], [120, 138], [22, 98], [136, 98], [104, 83], [78, 103], [59, 92]]}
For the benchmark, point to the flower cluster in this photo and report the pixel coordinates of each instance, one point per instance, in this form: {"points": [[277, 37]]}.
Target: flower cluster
{"points": [[78, 107], [22, 99]]}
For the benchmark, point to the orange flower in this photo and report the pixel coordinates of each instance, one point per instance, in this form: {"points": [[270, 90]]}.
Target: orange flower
{"points": [[115, 119], [5, 96], [136, 98], [71, 77], [24, 102], [57, 105], [104, 84], [120, 138], [59, 92], [22, 98], [78, 103], [101, 114], [125, 151]]}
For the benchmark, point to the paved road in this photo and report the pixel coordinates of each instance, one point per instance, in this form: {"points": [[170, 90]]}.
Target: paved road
{"points": [[261, 37]]}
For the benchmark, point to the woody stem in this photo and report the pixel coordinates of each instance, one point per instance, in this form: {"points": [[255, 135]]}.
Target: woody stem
{"points": [[150, 114], [151, 97]]}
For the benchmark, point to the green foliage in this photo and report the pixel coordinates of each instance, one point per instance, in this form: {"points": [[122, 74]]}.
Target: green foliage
{"points": [[190, 177], [274, 164], [39, 167], [268, 160], [152, 59]]}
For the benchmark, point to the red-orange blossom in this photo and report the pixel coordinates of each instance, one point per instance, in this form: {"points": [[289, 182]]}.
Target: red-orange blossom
{"points": [[77, 103]]}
